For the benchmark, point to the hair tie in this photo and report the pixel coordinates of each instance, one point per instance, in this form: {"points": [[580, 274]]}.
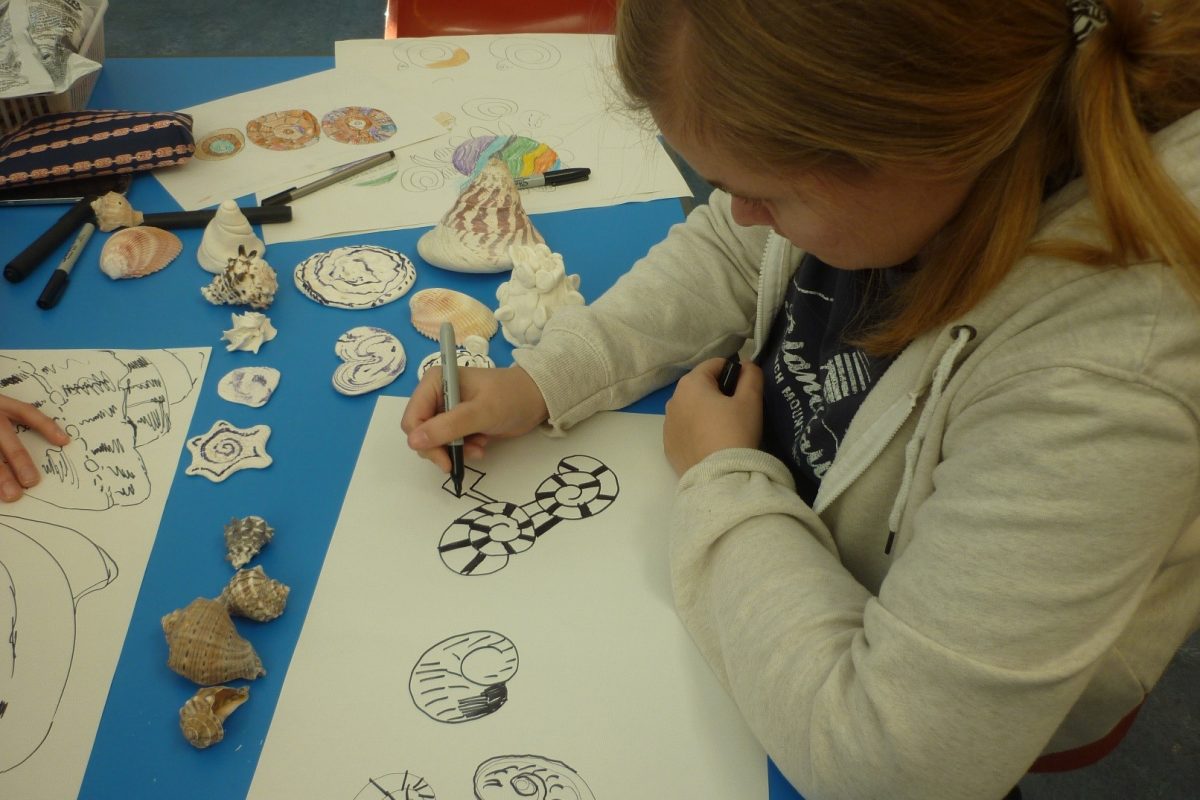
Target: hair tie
{"points": [[1086, 17]]}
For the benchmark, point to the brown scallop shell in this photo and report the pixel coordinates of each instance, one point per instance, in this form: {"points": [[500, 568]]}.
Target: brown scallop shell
{"points": [[134, 252], [429, 308], [202, 718], [253, 595], [205, 647]]}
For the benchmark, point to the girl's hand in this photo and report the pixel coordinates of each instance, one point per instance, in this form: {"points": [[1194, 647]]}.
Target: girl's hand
{"points": [[17, 471], [700, 420], [500, 403]]}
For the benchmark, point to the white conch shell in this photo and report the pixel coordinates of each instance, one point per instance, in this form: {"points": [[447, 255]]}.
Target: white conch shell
{"points": [[529, 776], [250, 330], [245, 537], [246, 281], [539, 286], [253, 595], [471, 352], [204, 646], [135, 252], [225, 233], [429, 308], [202, 718], [113, 211], [485, 220]]}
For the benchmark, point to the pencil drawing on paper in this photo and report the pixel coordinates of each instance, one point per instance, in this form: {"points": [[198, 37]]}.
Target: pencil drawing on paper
{"points": [[45, 570], [483, 540], [430, 54], [464, 677], [113, 404], [396, 786], [529, 776], [220, 144], [524, 53]]}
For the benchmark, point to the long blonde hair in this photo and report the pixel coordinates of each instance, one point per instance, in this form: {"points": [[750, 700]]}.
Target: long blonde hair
{"points": [[965, 87]]}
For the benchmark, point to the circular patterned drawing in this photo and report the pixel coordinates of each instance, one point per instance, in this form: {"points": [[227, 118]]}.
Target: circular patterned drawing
{"points": [[284, 130], [522, 155], [220, 144], [396, 786], [358, 125], [436, 55], [463, 678], [355, 276], [489, 108], [529, 776], [524, 53], [481, 540], [582, 487]]}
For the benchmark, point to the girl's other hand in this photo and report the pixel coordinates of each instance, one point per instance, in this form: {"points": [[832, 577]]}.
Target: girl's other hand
{"points": [[700, 420], [17, 470]]}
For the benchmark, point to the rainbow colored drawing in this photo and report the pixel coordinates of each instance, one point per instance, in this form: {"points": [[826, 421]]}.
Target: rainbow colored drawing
{"points": [[524, 156]]}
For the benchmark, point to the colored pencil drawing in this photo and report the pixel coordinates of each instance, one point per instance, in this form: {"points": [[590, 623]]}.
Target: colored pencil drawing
{"points": [[358, 125], [430, 54], [464, 677], [524, 53], [291, 129]]}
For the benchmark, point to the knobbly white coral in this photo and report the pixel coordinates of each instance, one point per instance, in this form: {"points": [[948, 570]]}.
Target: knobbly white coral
{"points": [[539, 286]]}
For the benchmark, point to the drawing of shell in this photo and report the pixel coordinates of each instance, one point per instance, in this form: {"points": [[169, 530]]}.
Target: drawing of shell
{"points": [[529, 777], [398, 786], [463, 678], [244, 538], [249, 386], [355, 276], [290, 129], [250, 330], [372, 358], [482, 540], [224, 450], [220, 144], [246, 281], [539, 286], [485, 220], [226, 236], [205, 647], [253, 595], [473, 352], [358, 125], [202, 718], [113, 211], [429, 308], [134, 252]]}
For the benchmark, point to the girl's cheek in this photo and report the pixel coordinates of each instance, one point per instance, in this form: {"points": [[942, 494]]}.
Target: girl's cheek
{"points": [[748, 213]]}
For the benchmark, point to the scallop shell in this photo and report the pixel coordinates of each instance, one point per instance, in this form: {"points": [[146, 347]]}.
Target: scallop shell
{"points": [[113, 211], [253, 595], [202, 718], [485, 220], [246, 281], [134, 252], [244, 538], [204, 646], [429, 308]]}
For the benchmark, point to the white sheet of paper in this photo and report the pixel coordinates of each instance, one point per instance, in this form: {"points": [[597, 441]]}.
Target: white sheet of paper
{"points": [[200, 182], [74, 549], [607, 680]]}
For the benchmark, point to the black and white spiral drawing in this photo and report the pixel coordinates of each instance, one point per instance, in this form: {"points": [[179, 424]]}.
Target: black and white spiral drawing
{"points": [[464, 677]]}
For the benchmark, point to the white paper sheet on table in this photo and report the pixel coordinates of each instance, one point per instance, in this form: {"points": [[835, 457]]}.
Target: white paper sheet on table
{"points": [[555, 90], [73, 550], [607, 680], [201, 182]]}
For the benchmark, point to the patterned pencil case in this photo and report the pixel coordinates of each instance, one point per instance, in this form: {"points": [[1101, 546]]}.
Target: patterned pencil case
{"points": [[79, 144]]}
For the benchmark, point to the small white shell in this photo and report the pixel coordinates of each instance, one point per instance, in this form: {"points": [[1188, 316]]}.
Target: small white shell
{"points": [[429, 308], [246, 281], [202, 718], [251, 594], [113, 211], [372, 358], [250, 330], [250, 386], [134, 252]]}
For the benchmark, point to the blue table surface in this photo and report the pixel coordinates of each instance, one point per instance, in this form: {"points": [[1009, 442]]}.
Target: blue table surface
{"points": [[316, 432]]}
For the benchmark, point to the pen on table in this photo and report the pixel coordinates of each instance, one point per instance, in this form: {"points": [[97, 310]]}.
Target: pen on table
{"points": [[26, 261], [450, 399], [255, 215], [555, 177], [727, 381], [339, 174], [62, 275]]}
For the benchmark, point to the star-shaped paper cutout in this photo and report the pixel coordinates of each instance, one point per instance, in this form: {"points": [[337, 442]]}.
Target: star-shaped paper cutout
{"points": [[226, 449]]}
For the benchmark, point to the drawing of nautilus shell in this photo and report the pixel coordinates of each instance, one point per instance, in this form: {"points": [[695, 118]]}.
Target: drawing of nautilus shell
{"points": [[355, 276], [522, 155], [284, 130], [581, 487], [432, 54], [529, 777], [481, 541], [220, 144], [524, 53], [226, 449], [372, 358], [358, 125], [464, 677], [396, 786]]}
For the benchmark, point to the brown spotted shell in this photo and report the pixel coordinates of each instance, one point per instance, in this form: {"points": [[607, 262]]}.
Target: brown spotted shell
{"points": [[244, 537], [429, 308], [134, 252], [247, 280], [202, 718], [253, 595], [205, 647]]}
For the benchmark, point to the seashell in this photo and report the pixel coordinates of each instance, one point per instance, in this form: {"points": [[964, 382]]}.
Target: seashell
{"points": [[135, 252], [202, 718], [227, 234], [113, 211], [531, 777], [485, 220], [473, 352], [360, 276], [539, 286], [205, 647], [251, 594], [250, 386], [244, 538], [429, 308], [224, 450], [372, 358], [463, 678], [250, 330], [246, 281]]}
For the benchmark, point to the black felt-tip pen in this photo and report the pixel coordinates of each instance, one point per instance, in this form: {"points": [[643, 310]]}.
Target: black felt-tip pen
{"points": [[727, 380], [450, 399], [62, 275], [555, 177]]}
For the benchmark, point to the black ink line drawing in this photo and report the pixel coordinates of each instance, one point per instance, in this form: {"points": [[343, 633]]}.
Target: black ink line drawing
{"points": [[112, 403], [44, 571], [529, 776], [396, 786], [482, 540], [464, 677], [524, 53]]}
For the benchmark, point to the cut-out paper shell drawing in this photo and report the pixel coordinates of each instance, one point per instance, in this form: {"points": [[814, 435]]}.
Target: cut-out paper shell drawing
{"points": [[372, 358], [138, 251], [429, 308], [529, 776], [523, 156], [471, 352], [227, 235], [220, 144], [485, 220], [226, 449], [538, 287], [284, 130], [355, 276], [250, 330], [358, 125], [205, 647], [202, 718], [464, 677], [245, 537], [113, 211], [396, 786], [249, 386], [246, 281], [253, 595]]}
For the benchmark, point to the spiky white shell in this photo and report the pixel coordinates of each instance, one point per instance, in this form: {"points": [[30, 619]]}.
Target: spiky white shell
{"points": [[246, 281]]}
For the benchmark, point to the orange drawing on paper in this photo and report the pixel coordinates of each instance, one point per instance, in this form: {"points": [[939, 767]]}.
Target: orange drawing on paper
{"points": [[284, 130]]}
